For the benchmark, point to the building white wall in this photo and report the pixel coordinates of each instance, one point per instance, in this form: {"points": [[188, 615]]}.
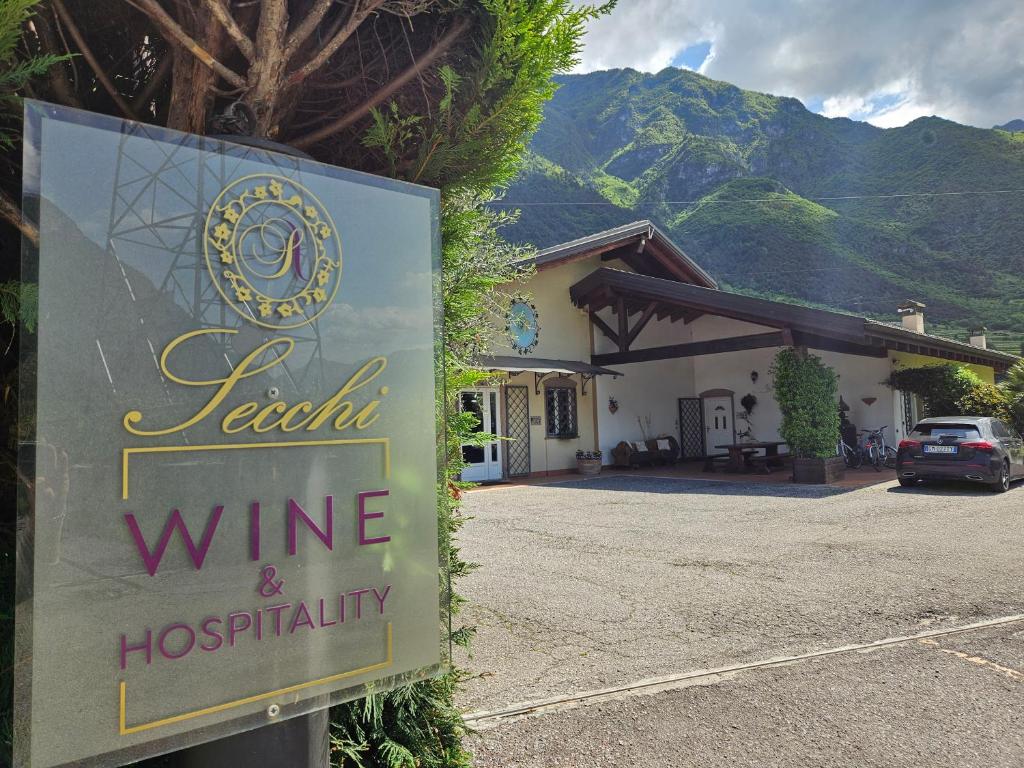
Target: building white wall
{"points": [[648, 393], [862, 378], [731, 371], [654, 388], [647, 397], [564, 329], [549, 454], [565, 334]]}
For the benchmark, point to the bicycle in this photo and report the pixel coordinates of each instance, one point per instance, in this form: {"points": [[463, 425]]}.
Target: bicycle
{"points": [[876, 451], [851, 456]]}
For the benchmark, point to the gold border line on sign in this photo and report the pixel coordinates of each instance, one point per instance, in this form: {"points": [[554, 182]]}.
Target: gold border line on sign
{"points": [[127, 452], [127, 730]]}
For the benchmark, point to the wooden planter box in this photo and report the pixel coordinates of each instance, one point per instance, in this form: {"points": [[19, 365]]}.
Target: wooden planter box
{"points": [[819, 471], [588, 466]]}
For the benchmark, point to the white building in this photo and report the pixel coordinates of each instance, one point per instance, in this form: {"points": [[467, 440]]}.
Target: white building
{"points": [[621, 337]]}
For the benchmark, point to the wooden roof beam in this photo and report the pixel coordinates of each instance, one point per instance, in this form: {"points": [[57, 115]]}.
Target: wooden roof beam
{"points": [[623, 252], [645, 318], [814, 341], [739, 307], [691, 349], [604, 328], [623, 333]]}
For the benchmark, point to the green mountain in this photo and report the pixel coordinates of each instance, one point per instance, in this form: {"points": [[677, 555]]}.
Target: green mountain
{"points": [[777, 201]]}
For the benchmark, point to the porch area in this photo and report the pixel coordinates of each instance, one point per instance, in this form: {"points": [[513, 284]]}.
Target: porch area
{"points": [[697, 363], [641, 346], [865, 477]]}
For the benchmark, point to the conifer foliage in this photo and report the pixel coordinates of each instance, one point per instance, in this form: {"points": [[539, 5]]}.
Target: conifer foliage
{"points": [[439, 92]]}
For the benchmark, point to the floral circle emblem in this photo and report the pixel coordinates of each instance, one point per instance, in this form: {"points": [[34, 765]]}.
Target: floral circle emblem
{"points": [[273, 251]]}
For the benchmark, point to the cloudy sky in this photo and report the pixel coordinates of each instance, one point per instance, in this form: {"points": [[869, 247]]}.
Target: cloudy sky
{"points": [[884, 61]]}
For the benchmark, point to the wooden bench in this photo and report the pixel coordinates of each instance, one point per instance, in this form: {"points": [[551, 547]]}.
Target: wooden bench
{"points": [[722, 458], [666, 456], [626, 455], [711, 458], [769, 463]]}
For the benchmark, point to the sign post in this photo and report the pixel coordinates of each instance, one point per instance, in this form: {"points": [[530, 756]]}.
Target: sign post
{"points": [[230, 441], [302, 742]]}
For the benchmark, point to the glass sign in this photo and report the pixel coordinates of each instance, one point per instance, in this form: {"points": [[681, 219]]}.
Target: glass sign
{"points": [[231, 456]]}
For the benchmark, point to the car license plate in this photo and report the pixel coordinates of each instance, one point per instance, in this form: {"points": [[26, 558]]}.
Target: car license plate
{"points": [[940, 449]]}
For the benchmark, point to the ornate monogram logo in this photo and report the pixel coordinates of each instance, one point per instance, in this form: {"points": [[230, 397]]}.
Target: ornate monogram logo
{"points": [[273, 251]]}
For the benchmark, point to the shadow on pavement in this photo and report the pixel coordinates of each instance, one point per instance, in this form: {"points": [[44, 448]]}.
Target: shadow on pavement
{"points": [[649, 484], [951, 488]]}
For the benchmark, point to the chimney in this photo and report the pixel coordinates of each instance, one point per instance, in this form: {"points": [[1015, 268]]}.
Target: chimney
{"points": [[978, 337], [912, 314]]}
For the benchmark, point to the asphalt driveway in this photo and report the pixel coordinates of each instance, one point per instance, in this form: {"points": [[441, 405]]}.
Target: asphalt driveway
{"points": [[953, 701], [588, 584]]}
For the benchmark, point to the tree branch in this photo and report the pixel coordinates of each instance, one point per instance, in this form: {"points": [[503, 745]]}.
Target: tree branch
{"points": [[223, 15], [387, 91], [87, 54], [59, 81], [11, 211], [163, 70], [173, 30], [360, 11], [306, 26], [271, 29]]}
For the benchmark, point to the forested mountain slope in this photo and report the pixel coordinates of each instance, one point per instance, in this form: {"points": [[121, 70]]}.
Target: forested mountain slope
{"points": [[775, 200]]}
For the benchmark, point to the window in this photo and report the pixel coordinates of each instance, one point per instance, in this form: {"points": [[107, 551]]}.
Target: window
{"points": [[472, 402], [560, 406], [962, 431]]}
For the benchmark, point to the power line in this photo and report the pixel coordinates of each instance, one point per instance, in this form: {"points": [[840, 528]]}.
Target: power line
{"points": [[702, 201]]}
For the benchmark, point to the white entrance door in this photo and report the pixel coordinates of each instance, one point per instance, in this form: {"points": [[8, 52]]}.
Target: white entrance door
{"points": [[483, 462], [718, 426]]}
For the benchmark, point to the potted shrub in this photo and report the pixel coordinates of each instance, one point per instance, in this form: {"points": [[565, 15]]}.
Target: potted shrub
{"points": [[807, 392], [588, 462]]}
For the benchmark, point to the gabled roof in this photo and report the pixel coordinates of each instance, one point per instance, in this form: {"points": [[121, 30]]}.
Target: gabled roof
{"points": [[807, 326], [898, 334], [541, 365], [641, 245], [596, 289]]}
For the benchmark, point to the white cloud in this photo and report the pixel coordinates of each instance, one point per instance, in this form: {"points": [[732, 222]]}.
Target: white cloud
{"points": [[855, 107], [963, 61], [709, 61], [372, 323], [367, 331], [901, 113]]}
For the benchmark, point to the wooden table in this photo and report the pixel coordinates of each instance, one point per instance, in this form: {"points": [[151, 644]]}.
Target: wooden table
{"points": [[740, 454]]}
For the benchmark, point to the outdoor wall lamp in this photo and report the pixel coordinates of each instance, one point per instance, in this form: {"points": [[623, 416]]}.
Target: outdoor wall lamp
{"points": [[753, 376]]}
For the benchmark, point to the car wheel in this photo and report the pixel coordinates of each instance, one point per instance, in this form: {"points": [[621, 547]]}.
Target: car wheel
{"points": [[908, 482], [1002, 485]]}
